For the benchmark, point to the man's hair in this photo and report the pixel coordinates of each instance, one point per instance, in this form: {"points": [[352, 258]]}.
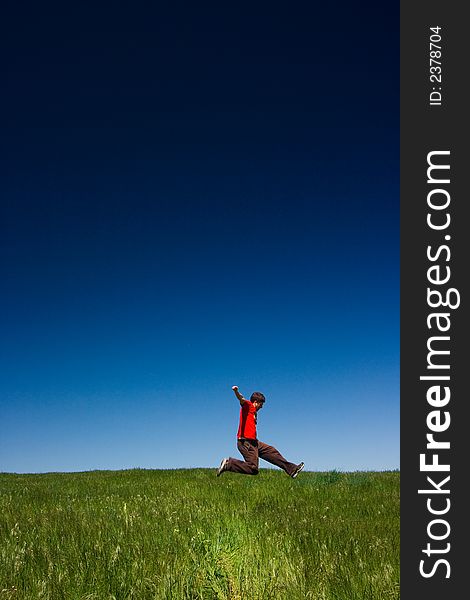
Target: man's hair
{"points": [[257, 397]]}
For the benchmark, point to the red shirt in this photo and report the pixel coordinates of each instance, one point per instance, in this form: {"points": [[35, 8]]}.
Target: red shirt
{"points": [[247, 427]]}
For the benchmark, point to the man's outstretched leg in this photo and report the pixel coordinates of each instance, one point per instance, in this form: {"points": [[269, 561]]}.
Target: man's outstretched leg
{"points": [[249, 450], [273, 456]]}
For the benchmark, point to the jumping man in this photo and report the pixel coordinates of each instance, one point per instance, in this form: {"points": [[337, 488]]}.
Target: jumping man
{"points": [[248, 444]]}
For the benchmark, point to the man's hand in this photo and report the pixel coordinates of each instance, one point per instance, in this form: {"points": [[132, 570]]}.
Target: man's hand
{"points": [[238, 395]]}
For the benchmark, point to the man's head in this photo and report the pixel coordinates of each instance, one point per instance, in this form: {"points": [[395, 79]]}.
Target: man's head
{"points": [[258, 399]]}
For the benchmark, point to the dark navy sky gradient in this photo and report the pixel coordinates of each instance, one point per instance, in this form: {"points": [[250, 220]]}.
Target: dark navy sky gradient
{"points": [[193, 198]]}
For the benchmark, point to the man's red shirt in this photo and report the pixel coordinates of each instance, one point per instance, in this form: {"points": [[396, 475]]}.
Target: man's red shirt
{"points": [[247, 426]]}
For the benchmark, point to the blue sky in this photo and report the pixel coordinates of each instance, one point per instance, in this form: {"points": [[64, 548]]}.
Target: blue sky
{"points": [[192, 202]]}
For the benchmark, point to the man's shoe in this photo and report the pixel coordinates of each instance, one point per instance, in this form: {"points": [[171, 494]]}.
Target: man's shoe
{"points": [[222, 467], [298, 468]]}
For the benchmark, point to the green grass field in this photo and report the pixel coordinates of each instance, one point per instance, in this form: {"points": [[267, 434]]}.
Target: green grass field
{"points": [[186, 534]]}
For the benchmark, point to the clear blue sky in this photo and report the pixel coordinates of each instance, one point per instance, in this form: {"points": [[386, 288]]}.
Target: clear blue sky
{"points": [[191, 200]]}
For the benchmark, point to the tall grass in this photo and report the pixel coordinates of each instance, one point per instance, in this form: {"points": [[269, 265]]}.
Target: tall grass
{"points": [[185, 534]]}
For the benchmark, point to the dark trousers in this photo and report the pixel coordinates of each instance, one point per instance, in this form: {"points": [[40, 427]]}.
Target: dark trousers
{"points": [[252, 451]]}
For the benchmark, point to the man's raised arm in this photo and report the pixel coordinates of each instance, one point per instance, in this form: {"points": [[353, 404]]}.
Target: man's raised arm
{"points": [[238, 395]]}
